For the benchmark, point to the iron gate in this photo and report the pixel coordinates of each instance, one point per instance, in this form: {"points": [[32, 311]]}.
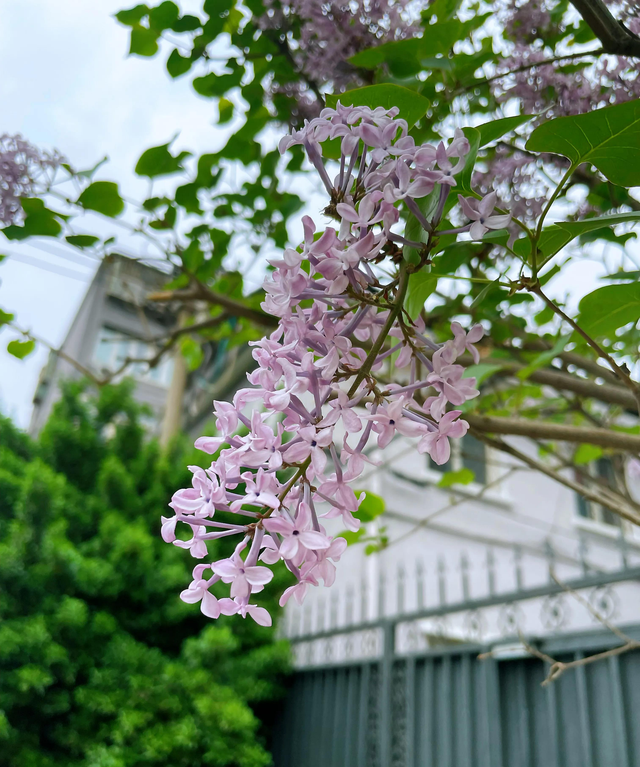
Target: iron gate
{"points": [[446, 708]]}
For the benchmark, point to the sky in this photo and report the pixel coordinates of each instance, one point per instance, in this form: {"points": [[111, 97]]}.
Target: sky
{"points": [[67, 83]]}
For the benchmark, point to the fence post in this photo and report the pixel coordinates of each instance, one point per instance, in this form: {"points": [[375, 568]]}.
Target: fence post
{"points": [[388, 653]]}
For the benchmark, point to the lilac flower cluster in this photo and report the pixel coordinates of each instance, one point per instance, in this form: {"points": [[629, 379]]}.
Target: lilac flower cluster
{"points": [[22, 167], [345, 367], [331, 32]]}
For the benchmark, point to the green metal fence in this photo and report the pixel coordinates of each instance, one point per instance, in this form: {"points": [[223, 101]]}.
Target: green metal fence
{"points": [[446, 708]]}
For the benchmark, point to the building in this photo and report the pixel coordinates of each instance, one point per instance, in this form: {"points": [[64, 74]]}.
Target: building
{"points": [[116, 321]]}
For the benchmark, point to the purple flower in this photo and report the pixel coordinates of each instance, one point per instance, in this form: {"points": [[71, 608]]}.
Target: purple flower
{"points": [[480, 212], [297, 532], [436, 443]]}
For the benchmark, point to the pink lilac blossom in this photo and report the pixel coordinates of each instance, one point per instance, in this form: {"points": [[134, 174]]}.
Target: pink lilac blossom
{"points": [[550, 90], [320, 393], [329, 34], [23, 167]]}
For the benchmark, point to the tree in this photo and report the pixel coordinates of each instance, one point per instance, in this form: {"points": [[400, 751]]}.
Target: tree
{"points": [[561, 375], [100, 663]]}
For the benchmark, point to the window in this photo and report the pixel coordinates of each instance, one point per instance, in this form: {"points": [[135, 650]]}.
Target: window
{"points": [[601, 469], [113, 347], [466, 453]]}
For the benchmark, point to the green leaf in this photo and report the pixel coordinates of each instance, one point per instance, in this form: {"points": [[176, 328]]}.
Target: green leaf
{"points": [[132, 16], [103, 197], [351, 536], [404, 57], [576, 228], [552, 240], [630, 276], [164, 15], [5, 317], [587, 453], [225, 111], [371, 507], [158, 161], [192, 352], [464, 179], [443, 10], [485, 292], [481, 372], [21, 349], [90, 172], [186, 23], [144, 42], [82, 240], [213, 85], [460, 477], [412, 105], [495, 129], [39, 221], [177, 65], [608, 138], [421, 286], [545, 357], [606, 309]]}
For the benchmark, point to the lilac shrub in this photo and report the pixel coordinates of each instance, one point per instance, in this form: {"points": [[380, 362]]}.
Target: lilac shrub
{"points": [[329, 33], [345, 368], [22, 169]]}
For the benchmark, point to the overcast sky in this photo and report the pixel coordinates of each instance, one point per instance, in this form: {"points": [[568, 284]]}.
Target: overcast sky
{"points": [[68, 83]]}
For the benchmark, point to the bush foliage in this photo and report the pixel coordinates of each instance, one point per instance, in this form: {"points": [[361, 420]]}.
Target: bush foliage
{"points": [[101, 665]]}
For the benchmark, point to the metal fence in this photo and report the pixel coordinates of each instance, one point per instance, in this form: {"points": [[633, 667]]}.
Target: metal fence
{"points": [[370, 695], [449, 709]]}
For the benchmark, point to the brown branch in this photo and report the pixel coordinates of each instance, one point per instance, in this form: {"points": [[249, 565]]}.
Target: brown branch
{"points": [[556, 667], [198, 292], [624, 377], [616, 503], [524, 427], [611, 394], [613, 34]]}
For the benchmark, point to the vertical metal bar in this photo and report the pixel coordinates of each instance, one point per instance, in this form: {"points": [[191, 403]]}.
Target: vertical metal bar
{"points": [[446, 732], [364, 609], [464, 574], [410, 707], [337, 737], [618, 709], [420, 584], [327, 715], [311, 746], [427, 713], [583, 548], [493, 713], [583, 713], [491, 571], [381, 596], [524, 732], [349, 617], [553, 721], [400, 596], [550, 555], [363, 714], [350, 722], [442, 583], [624, 547], [334, 603], [517, 561], [389, 630], [465, 730]]}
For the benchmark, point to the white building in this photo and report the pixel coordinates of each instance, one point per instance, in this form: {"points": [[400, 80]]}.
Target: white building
{"points": [[471, 563]]}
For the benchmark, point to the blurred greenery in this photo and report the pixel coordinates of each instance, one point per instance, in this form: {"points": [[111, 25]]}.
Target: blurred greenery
{"points": [[101, 664]]}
